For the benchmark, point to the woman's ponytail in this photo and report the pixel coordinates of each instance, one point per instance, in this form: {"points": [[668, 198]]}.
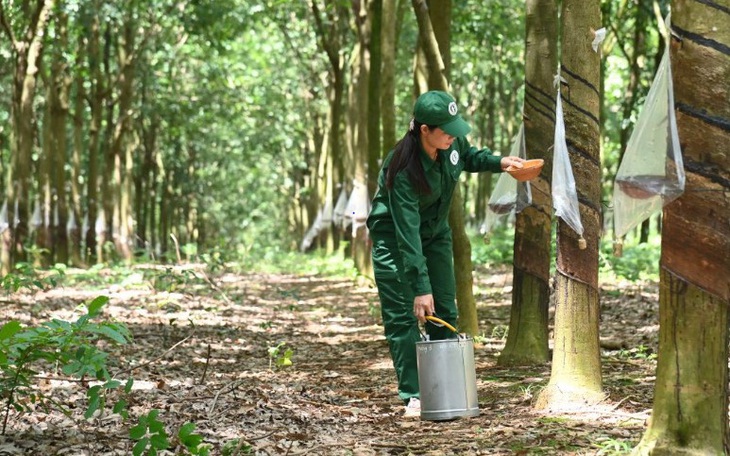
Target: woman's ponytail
{"points": [[406, 156]]}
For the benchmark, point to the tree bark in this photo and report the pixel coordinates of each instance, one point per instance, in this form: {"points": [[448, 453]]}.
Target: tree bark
{"points": [[438, 71], [26, 57], [576, 365], [331, 34], [59, 109], [375, 15], [74, 225], [527, 338], [387, 92], [359, 97], [121, 146], [691, 390], [690, 393], [97, 100]]}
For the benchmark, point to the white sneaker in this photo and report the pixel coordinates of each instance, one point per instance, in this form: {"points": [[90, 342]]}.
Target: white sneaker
{"points": [[413, 409]]}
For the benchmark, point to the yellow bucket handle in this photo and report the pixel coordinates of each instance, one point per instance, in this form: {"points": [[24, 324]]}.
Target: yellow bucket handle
{"points": [[441, 322]]}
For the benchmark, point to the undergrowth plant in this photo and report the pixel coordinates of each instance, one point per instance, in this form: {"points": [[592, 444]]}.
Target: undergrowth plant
{"points": [[72, 348], [69, 347], [280, 355], [25, 276]]}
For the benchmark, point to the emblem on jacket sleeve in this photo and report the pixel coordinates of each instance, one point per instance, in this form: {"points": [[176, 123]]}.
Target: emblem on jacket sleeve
{"points": [[454, 157]]}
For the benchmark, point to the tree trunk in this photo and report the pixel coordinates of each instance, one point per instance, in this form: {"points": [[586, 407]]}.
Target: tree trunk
{"points": [[387, 91], [74, 212], [490, 130], [527, 338], [144, 184], [59, 108], [121, 147], [438, 74], [691, 390], [96, 103], [39, 229], [330, 28], [576, 365], [375, 14], [359, 98], [26, 56], [105, 226]]}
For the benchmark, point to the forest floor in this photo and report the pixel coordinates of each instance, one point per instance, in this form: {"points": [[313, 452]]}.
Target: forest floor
{"points": [[205, 351]]}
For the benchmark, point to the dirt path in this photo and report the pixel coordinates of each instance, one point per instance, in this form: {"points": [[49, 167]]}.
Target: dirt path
{"points": [[205, 355]]}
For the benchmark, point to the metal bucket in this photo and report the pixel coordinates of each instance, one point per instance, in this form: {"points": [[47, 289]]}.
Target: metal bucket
{"points": [[447, 379]]}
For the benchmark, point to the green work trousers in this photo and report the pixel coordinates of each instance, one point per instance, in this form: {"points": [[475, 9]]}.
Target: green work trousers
{"points": [[396, 302]]}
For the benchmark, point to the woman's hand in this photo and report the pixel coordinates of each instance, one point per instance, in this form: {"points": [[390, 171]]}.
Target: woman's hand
{"points": [[506, 162], [422, 306]]}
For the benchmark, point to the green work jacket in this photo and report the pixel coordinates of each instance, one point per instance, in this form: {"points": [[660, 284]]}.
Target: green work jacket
{"points": [[412, 218]]}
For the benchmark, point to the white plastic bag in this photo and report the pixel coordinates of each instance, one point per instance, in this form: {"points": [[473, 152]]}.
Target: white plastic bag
{"points": [[4, 217], [36, 219], [339, 211], [358, 206], [509, 195], [651, 173], [565, 195], [311, 233]]}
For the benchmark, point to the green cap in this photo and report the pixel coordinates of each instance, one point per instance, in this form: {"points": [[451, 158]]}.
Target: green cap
{"points": [[440, 109]]}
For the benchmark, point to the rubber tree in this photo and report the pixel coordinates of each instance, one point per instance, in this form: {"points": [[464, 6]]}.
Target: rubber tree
{"points": [[691, 390], [59, 82], [25, 33], [576, 365], [357, 129], [431, 44], [527, 338]]}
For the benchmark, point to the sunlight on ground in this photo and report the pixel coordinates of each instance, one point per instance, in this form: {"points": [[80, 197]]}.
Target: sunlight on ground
{"points": [[381, 364], [605, 413]]}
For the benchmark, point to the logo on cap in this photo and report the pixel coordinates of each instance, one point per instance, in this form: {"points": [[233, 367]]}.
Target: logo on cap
{"points": [[452, 108]]}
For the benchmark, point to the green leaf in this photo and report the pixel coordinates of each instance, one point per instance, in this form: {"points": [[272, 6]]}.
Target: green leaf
{"points": [[128, 385], [159, 442], [156, 427], [96, 305], [192, 441], [109, 333], [111, 384], [120, 406], [137, 432], [9, 329], [94, 390], [140, 446], [93, 406], [185, 430], [73, 368]]}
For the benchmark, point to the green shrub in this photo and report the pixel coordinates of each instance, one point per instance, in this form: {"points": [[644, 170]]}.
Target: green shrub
{"points": [[638, 261], [496, 248], [70, 347], [28, 277]]}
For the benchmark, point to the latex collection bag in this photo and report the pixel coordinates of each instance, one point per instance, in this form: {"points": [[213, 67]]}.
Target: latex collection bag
{"points": [[358, 206], [509, 196], [565, 195], [651, 173], [339, 212]]}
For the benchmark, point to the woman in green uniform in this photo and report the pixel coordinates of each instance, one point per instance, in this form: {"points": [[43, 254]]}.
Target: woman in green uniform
{"points": [[408, 223]]}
